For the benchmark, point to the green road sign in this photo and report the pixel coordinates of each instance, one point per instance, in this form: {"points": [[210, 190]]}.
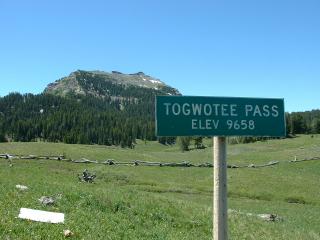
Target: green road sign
{"points": [[219, 116]]}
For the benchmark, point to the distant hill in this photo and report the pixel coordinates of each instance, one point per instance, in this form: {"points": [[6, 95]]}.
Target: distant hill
{"points": [[103, 84], [87, 107]]}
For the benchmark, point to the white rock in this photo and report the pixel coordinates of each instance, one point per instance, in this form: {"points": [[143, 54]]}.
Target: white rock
{"points": [[21, 187], [67, 233], [46, 200]]}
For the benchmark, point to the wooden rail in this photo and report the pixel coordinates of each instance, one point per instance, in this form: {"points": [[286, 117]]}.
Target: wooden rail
{"points": [[11, 157]]}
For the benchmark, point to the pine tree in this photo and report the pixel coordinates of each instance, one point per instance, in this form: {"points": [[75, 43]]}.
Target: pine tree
{"points": [[184, 143]]}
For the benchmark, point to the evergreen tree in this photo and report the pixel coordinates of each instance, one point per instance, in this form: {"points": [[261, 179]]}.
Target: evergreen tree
{"points": [[316, 126], [198, 143], [184, 143], [299, 125]]}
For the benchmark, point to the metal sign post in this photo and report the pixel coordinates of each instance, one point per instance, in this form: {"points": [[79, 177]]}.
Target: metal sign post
{"points": [[220, 208]]}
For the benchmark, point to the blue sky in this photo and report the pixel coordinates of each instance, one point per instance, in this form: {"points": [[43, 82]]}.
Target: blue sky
{"points": [[262, 48]]}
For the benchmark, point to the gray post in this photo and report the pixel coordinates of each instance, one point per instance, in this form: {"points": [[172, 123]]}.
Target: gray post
{"points": [[220, 208]]}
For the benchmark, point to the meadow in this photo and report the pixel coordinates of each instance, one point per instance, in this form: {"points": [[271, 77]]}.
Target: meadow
{"points": [[143, 202]]}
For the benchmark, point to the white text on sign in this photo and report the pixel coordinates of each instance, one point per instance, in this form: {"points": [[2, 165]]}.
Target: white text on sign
{"points": [[224, 110], [209, 124]]}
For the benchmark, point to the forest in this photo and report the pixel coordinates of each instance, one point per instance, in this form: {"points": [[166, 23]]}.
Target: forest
{"points": [[75, 119], [105, 121]]}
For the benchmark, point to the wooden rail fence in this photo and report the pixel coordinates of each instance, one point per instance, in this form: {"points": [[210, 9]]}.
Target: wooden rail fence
{"points": [[11, 157]]}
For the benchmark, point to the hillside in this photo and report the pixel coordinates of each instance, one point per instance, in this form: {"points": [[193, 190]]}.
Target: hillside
{"points": [[87, 107]]}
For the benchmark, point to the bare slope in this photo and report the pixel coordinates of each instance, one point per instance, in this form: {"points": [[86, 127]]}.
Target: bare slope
{"points": [[100, 83]]}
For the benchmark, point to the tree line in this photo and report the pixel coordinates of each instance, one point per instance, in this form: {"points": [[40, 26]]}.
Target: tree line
{"points": [[106, 121], [80, 119], [307, 122]]}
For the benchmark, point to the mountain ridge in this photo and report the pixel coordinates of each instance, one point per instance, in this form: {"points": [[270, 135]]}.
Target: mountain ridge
{"points": [[100, 83], [86, 107]]}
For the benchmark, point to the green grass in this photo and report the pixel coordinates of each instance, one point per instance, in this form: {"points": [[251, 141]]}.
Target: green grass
{"points": [[161, 202]]}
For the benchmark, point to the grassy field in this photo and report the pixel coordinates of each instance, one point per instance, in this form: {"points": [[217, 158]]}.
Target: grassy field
{"points": [[127, 202]]}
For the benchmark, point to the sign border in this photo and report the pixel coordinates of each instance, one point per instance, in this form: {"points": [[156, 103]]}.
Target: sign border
{"points": [[220, 97]]}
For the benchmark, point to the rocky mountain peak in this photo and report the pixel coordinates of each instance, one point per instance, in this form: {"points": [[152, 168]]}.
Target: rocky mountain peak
{"points": [[101, 84]]}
